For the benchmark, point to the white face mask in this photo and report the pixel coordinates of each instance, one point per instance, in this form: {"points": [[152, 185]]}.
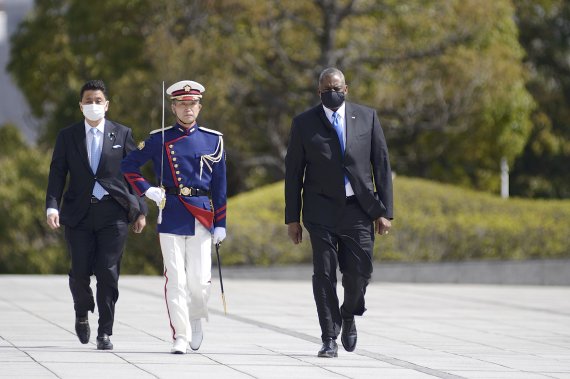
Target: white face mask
{"points": [[93, 112]]}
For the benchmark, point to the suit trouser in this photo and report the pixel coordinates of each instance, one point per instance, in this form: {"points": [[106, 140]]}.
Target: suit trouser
{"points": [[187, 270], [96, 247], [350, 246]]}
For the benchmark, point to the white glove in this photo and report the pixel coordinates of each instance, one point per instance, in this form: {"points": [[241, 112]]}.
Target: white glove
{"points": [[219, 235], [156, 194]]}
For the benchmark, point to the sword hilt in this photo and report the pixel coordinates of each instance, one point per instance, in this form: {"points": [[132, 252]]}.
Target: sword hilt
{"points": [[161, 206]]}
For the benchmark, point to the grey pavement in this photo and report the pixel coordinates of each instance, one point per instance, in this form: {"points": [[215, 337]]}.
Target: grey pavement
{"points": [[271, 331]]}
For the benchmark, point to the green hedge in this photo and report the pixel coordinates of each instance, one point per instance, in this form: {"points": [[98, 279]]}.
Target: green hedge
{"points": [[433, 222]]}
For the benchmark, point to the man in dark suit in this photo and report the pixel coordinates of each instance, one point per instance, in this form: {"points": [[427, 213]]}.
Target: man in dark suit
{"points": [[96, 208], [338, 173]]}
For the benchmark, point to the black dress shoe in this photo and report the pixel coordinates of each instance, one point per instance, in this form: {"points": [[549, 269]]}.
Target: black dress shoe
{"points": [[348, 336], [329, 349], [82, 329], [104, 343]]}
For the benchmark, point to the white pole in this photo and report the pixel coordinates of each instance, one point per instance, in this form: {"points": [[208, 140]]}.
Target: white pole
{"points": [[3, 27], [504, 178]]}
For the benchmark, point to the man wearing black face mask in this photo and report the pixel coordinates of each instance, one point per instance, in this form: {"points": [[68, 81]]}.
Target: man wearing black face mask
{"points": [[338, 174]]}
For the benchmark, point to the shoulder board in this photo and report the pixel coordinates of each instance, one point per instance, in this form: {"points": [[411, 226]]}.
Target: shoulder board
{"points": [[210, 131], [159, 130]]}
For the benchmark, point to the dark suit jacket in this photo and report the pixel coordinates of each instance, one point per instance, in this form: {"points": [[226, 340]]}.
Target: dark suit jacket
{"points": [[70, 157], [315, 167]]}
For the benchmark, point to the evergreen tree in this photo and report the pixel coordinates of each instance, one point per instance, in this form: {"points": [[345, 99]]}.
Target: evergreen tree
{"points": [[542, 169]]}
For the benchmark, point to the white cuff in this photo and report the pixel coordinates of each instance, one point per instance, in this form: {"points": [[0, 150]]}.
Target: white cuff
{"points": [[51, 211]]}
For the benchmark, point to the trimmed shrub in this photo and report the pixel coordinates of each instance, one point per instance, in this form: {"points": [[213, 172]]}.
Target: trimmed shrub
{"points": [[433, 222]]}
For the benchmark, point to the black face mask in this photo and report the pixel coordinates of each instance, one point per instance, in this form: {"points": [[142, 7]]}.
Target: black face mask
{"points": [[332, 99]]}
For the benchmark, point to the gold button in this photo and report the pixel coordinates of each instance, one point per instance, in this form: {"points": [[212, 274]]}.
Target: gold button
{"points": [[171, 146], [176, 165], [174, 159], [181, 185], [177, 172], [179, 179], [172, 152]]}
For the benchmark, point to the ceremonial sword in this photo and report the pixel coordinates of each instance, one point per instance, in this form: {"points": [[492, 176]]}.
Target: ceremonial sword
{"points": [[163, 202]]}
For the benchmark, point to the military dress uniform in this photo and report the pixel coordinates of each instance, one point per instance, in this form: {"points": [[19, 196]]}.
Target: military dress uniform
{"points": [[193, 170], [194, 180]]}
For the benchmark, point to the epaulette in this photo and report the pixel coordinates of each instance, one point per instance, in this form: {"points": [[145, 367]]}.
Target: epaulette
{"points": [[159, 130], [210, 131]]}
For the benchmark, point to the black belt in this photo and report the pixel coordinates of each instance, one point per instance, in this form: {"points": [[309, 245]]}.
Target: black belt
{"points": [[186, 191], [94, 200]]}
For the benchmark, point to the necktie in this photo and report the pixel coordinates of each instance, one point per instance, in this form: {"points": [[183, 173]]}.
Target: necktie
{"points": [[337, 125], [98, 191]]}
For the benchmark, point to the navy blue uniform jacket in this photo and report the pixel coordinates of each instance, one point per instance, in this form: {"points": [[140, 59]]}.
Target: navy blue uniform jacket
{"points": [[185, 164]]}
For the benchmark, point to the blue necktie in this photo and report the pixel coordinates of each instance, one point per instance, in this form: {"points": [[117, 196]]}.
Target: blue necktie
{"points": [[337, 125], [98, 191]]}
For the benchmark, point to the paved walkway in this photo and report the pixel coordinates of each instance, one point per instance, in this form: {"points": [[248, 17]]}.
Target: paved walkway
{"points": [[271, 331]]}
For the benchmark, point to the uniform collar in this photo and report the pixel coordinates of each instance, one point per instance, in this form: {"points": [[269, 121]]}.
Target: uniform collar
{"points": [[188, 131]]}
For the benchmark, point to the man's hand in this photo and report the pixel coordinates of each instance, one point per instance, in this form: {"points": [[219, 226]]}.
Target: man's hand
{"points": [[295, 232], [156, 194], [219, 235], [139, 224], [53, 220], [382, 225]]}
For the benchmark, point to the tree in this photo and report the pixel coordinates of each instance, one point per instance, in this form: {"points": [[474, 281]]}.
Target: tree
{"points": [[542, 169], [451, 93], [67, 42], [27, 243], [445, 77]]}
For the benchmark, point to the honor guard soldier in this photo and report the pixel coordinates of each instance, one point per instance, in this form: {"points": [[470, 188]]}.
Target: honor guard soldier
{"points": [[189, 161]]}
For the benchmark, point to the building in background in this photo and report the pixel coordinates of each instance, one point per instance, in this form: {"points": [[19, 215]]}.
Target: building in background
{"points": [[13, 106]]}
